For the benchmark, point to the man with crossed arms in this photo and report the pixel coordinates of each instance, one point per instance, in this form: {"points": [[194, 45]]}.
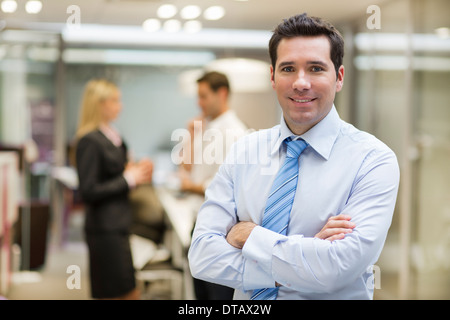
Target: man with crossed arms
{"points": [[344, 196]]}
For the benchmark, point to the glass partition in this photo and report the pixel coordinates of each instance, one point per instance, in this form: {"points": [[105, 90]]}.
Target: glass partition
{"points": [[402, 73]]}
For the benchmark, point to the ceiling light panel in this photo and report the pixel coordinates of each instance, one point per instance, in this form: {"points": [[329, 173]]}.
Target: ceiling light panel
{"points": [[172, 26], [33, 6], [190, 12], [167, 11], [192, 26], [151, 25], [214, 13], [9, 6]]}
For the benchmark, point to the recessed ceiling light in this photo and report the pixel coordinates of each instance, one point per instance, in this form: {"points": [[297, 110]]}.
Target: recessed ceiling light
{"points": [[151, 25], [214, 13], [33, 6], [190, 12], [172, 26], [192, 26], [9, 6], [167, 11], [443, 33]]}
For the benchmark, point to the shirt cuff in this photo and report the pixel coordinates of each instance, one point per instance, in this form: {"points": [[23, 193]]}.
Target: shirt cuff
{"points": [[130, 180], [258, 253], [256, 278]]}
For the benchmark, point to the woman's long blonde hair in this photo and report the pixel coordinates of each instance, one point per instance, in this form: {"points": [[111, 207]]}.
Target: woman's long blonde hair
{"points": [[95, 92]]}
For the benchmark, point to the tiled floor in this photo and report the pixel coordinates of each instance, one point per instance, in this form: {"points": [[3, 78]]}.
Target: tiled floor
{"points": [[52, 281], [65, 267], [55, 280]]}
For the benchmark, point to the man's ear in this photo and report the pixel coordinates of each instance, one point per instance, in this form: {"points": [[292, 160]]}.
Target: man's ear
{"points": [[272, 76], [340, 79], [223, 92]]}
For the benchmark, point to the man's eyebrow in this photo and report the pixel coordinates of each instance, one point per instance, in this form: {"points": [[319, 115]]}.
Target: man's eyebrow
{"points": [[320, 63], [290, 63], [285, 63]]}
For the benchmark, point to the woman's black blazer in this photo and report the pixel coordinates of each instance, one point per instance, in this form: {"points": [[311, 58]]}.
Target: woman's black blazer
{"points": [[102, 187]]}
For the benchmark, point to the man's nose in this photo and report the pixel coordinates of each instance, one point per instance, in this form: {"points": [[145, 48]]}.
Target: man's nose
{"points": [[302, 81]]}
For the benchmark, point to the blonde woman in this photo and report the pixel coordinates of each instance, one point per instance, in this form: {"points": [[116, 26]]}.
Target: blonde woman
{"points": [[105, 178]]}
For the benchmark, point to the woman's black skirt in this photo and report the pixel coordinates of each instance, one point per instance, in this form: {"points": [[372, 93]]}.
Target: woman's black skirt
{"points": [[110, 264]]}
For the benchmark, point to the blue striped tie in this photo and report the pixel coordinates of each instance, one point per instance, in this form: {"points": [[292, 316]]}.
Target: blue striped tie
{"points": [[279, 203]]}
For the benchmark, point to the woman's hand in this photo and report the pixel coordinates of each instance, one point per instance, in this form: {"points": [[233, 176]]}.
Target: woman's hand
{"points": [[141, 171]]}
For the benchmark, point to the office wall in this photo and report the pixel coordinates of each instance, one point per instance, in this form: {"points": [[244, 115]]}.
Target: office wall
{"points": [[152, 104]]}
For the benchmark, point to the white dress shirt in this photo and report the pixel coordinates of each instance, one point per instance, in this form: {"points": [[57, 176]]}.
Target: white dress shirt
{"points": [[342, 171], [214, 141]]}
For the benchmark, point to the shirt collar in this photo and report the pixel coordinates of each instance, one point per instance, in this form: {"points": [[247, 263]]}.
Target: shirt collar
{"points": [[111, 134], [321, 137], [222, 117]]}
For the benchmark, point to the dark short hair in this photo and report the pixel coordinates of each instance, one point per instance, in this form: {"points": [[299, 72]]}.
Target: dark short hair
{"points": [[303, 25], [216, 80]]}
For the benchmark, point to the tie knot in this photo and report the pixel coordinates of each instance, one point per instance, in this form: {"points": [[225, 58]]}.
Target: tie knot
{"points": [[295, 147]]}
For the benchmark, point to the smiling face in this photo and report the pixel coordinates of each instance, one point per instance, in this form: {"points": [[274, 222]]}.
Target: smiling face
{"points": [[305, 81]]}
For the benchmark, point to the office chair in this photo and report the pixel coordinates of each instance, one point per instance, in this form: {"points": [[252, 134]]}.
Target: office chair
{"points": [[155, 274]]}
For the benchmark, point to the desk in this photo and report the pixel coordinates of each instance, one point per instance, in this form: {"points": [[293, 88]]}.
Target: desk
{"points": [[181, 213]]}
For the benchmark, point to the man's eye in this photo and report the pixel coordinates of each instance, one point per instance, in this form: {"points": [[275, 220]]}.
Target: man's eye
{"points": [[317, 69], [288, 69]]}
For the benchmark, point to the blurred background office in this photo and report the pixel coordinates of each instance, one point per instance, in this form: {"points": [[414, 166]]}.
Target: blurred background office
{"points": [[397, 64]]}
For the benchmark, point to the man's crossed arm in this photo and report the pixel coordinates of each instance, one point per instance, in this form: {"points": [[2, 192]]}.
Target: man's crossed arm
{"points": [[335, 229]]}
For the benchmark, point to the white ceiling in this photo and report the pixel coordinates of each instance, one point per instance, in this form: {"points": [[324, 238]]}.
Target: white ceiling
{"points": [[251, 14]]}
